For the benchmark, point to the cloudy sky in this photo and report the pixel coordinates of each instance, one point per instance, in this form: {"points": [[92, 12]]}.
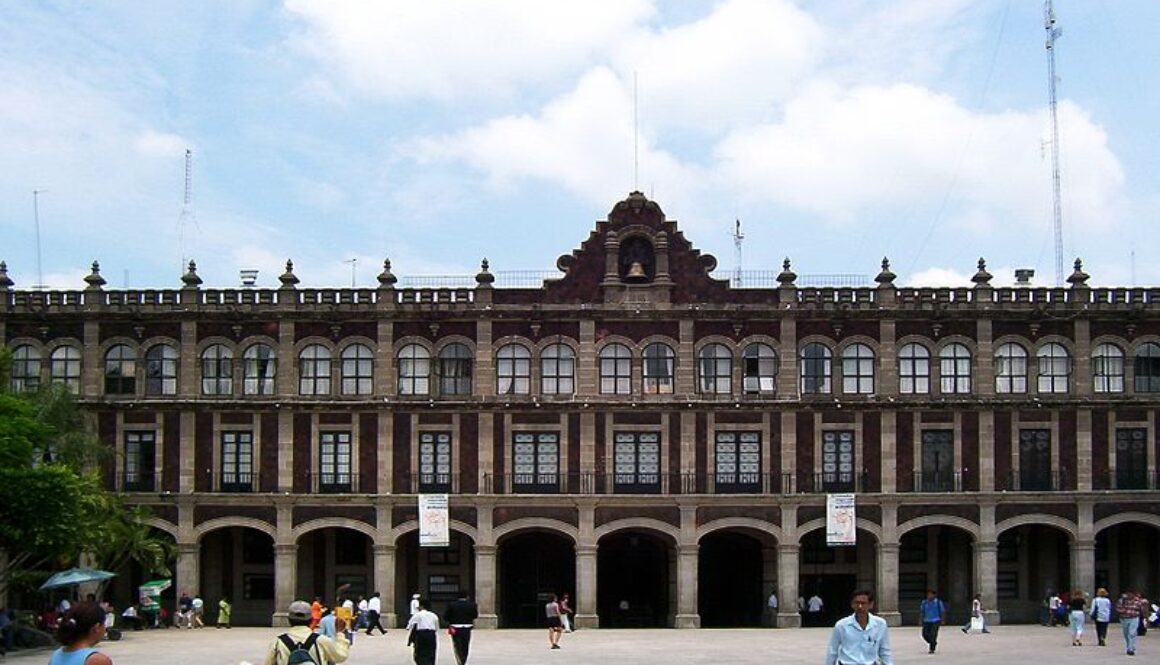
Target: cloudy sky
{"points": [[437, 133]]}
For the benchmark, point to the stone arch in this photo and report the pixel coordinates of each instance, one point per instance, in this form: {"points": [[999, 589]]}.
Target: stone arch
{"points": [[333, 522], [1122, 518], [641, 523], [820, 523], [413, 525], [940, 520], [536, 524], [162, 525], [1061, 523], [225, 522], [739, 523]]}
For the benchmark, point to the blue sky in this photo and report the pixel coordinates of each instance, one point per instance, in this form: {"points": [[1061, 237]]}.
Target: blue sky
{"points": [[437, 133]]}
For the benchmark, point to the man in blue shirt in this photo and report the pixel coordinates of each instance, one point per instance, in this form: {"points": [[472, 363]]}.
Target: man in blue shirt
{"points": [[861, 638], [933, 613]]}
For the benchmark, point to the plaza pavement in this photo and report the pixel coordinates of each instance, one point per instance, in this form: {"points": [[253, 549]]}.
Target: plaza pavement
{"points": [[1017, 645]]}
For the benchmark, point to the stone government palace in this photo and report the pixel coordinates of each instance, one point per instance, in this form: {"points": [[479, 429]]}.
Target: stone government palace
{"points": [[636, 432]]}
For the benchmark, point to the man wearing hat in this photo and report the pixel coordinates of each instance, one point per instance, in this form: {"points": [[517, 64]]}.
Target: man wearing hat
{"points": [[321, 648]]}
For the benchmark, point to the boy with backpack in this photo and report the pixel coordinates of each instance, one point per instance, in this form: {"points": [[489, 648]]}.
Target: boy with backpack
{"points": [[301, 646]]}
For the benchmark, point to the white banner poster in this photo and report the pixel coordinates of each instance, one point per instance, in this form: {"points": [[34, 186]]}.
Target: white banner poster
{"points": [[840, 520], [434, 530]]}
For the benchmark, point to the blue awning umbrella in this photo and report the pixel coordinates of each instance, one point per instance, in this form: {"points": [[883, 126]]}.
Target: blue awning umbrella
{"points": [[75, 576]]}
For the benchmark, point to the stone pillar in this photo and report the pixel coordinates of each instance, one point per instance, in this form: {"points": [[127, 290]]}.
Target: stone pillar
{"points": [[285, 451], [788, 567], [887, 358], [587, 372], [986, 463], [769, 584], [1083, 550], [889, 462], [787, 371], [887, 595], [92, 363], [984, 383], [485, 579], [586, 616], [685, 374], [687, 616], [285, 580], [986, 574], [384, 566], [1083, 454], [186, 472], [484, 359], [286, 379], [188, 568], [188, 378]]}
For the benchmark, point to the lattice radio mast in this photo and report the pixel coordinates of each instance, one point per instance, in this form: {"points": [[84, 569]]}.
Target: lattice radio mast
{"points": [[738, 237], [186, 208], [1053, 33]]}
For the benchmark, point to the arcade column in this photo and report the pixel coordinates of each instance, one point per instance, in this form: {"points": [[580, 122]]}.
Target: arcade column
{"points": [[485, 579]]}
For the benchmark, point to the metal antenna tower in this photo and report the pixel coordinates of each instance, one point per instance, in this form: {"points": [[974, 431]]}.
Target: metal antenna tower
{"points": [[738, 237], [36, 220], [1053, 33], [186, 207]]}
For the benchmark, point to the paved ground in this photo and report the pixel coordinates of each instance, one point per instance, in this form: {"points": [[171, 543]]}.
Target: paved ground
{"points": [[1005, 644]]}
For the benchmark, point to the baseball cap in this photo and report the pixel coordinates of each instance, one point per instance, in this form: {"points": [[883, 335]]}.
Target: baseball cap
{"points": [[299, 609]]}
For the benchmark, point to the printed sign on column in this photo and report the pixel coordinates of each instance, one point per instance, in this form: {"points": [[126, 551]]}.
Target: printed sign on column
{"points": [[840, 520], [434, 530]]}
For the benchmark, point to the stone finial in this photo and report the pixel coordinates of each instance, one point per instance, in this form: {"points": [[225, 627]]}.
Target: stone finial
{"points": [[386, 278], [982, 277], [190, 278], [1078, 278], [6, 282], [94, 279], [886, 277], [787, 276], [484, 277], [288, 278]]}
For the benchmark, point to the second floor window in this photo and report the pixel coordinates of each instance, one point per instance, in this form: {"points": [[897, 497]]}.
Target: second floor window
{"points": [[615, 370], [140, 460], [738, 461], [558, 370], [455, 370], [759, 369], [913, 370], [1035, 460], [1108, 369], [1147, 368], [815, 369], [838, 468], [658, 369], [314, 370], [1010, 369], [259, 364], [857, 370], [434, 461], [25, 369], [161, 370], [1054, 368], [334, 462], [536, 461], [414, 370], [120, 370], [513, 370], [357, 370], [715, 370], [237, 455], [64, 366], [954, 370], [637, 462], [217, 370]]}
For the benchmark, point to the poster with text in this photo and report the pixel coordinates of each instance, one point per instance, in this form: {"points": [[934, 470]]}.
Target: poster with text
{"points": [[434, 530], [840, 520]]}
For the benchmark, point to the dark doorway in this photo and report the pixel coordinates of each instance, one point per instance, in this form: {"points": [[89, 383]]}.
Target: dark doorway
{"points": [[834, 590], [632, 569], [533, 565], [729, 581]]}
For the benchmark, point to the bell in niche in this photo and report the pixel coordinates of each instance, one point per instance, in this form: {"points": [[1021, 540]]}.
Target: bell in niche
{"points": [[636, 273]]}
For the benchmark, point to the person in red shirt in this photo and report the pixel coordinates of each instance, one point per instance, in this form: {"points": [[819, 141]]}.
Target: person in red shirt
{"points": [[315, 612]]}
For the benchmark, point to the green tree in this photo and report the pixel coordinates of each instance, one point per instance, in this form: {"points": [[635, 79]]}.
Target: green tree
{"points": [[127, 538]]}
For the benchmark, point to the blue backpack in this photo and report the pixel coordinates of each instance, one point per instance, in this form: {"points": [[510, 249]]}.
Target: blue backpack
{"points": [[300, 652]]}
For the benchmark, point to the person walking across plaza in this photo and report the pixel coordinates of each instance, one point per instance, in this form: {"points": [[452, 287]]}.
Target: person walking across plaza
{"points": [[977, 619], [861, 638], [79, 631], [1128, 608], [374, 616], [224, 610], [814, 607], [565, 612], [555, 628], [1102, 615], [421, 630], [300, 637], [771, 606], [933, 612], [460, 617], [1076, 605]]}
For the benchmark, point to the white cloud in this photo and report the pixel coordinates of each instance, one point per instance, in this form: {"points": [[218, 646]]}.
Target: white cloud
{"points": [[152, 143]]}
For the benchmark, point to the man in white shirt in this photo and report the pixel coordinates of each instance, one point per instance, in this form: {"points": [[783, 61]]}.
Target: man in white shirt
{"points": [[414, 604], [374, 607], [814, 610], [771, 604], [423, 626], [861, 638]]}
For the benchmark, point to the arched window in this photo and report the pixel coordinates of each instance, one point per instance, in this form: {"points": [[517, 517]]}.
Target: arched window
{"points": [[1108, 369], [913, 370], [120, 370], [954, 369], [715, 370], [1054, 368], [314, 370], [217, 370], [25, 369], [615, 370], [558, 370], [1147, 368], [358, 366], [455, 370], [1010, 369], [513, 370], [414, 370], [659, 367], [858, 370], [259, 364], [161, 370], [759, 369], [815, 369]]}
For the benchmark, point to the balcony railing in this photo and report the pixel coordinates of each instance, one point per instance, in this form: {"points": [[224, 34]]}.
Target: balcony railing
{"points": [[1056, 481], [428, 483], [237, 483], [938, 481], [1124, 479], [137, 482], [675, 483], [342, 482]]}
